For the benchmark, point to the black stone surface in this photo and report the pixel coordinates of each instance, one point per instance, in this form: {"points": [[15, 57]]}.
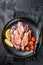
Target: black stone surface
{"points": [[28, 8]]}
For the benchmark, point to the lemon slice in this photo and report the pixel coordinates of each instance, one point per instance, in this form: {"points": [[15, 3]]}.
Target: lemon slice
{"points": [[7, 34], [8, 42]]}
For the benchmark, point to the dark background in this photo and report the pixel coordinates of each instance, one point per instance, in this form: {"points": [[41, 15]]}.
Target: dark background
{"points": [[34, 10]]}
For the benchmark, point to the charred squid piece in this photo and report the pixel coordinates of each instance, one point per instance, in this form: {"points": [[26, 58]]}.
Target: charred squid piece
{"points": [[12, 30], [25, 39], [20, 28], [26, 28], [29, 35], [13, 39], [17, 46], [17, 38]]}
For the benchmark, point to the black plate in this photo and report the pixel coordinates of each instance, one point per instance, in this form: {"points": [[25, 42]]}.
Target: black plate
{"points": [[32, 26]]}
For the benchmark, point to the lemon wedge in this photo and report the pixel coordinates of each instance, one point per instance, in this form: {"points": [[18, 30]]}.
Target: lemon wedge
{"points": [[7, 34], [8, 42]]}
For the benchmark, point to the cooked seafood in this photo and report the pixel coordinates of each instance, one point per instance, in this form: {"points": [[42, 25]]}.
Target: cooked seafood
{"points": [[20, 28], [21, 37], [26, 28]]}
